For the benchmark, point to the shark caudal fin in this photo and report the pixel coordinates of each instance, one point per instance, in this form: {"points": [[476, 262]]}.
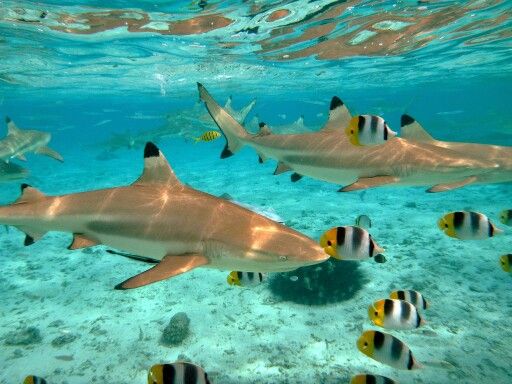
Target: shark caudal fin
{"points": [[232, 130], [28, 195], [412, 130]]}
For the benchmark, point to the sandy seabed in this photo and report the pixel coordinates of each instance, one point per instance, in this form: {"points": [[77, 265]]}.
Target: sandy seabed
{"points": [[91, 333]]}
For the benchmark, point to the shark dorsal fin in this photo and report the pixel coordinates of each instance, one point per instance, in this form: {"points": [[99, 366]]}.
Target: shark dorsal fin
{"points": [[156, 168], [339, 116], [264, 129], [12, 129], [412, 130], [29, 194]]}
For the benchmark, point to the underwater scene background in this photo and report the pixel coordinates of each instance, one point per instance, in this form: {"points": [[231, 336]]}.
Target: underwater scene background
{"points": [[105, 77]]}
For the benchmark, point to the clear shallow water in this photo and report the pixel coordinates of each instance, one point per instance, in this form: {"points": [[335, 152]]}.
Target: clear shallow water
{"points": [[452, 73]]}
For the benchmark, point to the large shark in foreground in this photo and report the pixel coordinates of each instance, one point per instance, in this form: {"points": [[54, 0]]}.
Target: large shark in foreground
{"points": [[164, 221], [18, 142], [413, 159]]}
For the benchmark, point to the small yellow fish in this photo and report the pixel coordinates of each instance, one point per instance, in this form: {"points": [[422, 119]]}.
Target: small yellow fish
{"points": [[506, 217], [34, 380], [413, 297], [349, 243], [176, 373], [466, 225], [387, 349], [371, 379], [506, 262], [394, 314], [368, 130], [208, 136], [245, 279]]}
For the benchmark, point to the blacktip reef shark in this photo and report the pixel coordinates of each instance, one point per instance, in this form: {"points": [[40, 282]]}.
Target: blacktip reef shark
{"points": [[18, 142], [163, 221], [328, 155]]}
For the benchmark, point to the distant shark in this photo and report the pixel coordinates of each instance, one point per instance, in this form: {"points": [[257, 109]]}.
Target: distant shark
{"points": [[10, 171], [19, 142], [186, 123], [159, 219], [413, 159]]}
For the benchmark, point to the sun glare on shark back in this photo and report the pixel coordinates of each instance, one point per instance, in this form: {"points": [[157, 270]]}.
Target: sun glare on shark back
{"points": [[178, 233]]}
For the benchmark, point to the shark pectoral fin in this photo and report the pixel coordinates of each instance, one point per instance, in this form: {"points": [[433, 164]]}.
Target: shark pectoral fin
{"points": [[281, 168], [81, 241], [369, 182], [21, 157], [449, 186], [47, 151], [295, 177], [169, 266]]}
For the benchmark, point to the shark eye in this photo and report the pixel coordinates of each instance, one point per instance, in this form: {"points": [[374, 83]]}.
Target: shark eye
{"points": [[282, 258], [329, 243]]}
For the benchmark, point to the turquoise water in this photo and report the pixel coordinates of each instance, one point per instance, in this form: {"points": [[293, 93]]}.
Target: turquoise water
{"points": [[105, 77]]}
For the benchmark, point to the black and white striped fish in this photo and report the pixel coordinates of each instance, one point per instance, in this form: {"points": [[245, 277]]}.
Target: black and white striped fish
{"points": [[179, 372], [413, 297], [245, 279], [371, 379], [387, 349], [394, 314], [368, 130], [467, 225], [349, 243]]}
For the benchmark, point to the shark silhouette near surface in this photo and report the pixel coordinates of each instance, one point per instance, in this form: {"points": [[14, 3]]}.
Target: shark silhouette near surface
{"points": [[414, 159], [162, 221], [18, 142]]}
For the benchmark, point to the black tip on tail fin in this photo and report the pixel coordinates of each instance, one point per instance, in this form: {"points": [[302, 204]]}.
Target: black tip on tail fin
{"points": [[7, 119], [151, 150], [261, 124], [335, 103], [226, 153], [28, 240], [24, 186], [406, 120]]}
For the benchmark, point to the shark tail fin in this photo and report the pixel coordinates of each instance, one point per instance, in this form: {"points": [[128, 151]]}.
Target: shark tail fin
{"points": [[412, 130], [230, 128]]}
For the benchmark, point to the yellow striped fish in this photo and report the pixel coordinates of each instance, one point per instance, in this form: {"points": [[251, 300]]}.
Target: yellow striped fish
{"points": [[178, 372], [371, 379], [506, 262], [387, 349], [208, 136], [34, 380], [467, 225]]}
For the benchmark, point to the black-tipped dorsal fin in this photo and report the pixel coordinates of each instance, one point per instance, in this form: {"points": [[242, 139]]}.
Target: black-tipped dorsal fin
{"points": [[156, 168], [28, 194], [12, 129], [264, 130], [412, 130], [339, 116]]}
